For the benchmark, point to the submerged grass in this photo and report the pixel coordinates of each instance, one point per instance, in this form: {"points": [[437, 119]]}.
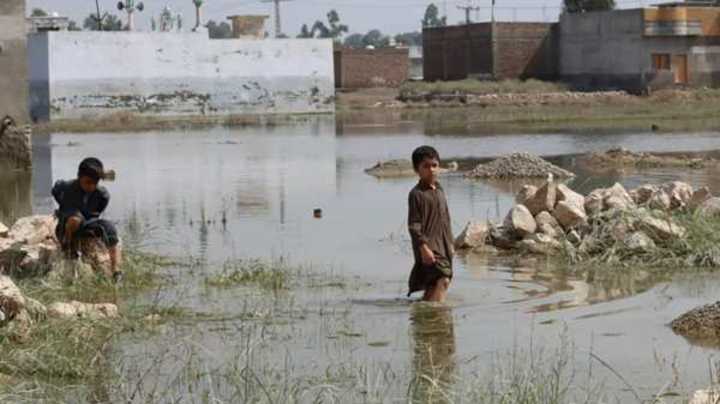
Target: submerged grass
{"points": [[272, 275]]}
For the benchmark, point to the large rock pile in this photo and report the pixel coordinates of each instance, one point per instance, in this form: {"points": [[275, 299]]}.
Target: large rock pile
{"points": [[518, 165], [29, 247], [554, 218]]}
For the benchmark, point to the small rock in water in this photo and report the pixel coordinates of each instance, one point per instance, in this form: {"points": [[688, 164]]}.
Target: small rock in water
{"points": [[473, 235], [317, 213]]}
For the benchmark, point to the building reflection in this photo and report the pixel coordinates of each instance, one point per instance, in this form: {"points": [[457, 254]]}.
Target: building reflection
{"points": [[434, 366]]}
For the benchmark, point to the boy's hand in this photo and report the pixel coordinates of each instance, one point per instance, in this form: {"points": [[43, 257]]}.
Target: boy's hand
{"points": [[428, 257]]}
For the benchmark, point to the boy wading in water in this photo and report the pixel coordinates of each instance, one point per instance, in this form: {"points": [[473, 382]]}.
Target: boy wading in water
{"points": [[81, 202], [429, 226]]}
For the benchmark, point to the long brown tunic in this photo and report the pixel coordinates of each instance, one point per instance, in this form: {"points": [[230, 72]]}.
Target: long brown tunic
{"points": [[429, 223]]}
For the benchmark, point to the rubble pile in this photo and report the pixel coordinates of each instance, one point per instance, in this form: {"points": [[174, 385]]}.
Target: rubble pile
{"points": [[518, 165]]}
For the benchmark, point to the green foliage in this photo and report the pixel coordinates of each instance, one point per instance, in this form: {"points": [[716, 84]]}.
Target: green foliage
{"points": [[38, 12], [409, 38], [584, 6], [267, 275], [108, 22], [219, 31], [432, 17], [373, 38], [333, 29]]}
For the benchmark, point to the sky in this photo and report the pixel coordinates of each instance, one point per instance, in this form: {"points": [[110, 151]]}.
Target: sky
{"points": [[390, 16]]}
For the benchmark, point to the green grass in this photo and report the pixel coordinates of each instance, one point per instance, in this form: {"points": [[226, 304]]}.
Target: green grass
{"points": [[267, 275]]}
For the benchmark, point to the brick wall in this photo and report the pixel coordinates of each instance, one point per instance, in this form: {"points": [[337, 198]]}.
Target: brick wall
{"points": [[523, 50], [364, 68], [526, 50], [456, 52]]}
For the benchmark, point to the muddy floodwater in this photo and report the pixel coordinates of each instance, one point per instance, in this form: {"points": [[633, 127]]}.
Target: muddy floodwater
{"points": [[222, 194]]}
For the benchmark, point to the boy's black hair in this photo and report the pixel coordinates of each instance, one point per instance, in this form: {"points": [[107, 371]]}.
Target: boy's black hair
{"points": [[422, 153], [91, 167]]}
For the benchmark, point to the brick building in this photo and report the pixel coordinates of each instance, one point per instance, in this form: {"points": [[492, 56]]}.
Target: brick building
{"points": [[365, 68], [491, 51]]}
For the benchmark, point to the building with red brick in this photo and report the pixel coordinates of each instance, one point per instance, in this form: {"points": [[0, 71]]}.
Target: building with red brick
{"points": [[366, 68], [501, 50]]}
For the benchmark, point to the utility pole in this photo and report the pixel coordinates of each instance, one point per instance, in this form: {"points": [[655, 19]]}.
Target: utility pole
{"points": [[468, 8], [198, 16], [278, 24], [130, 7]]}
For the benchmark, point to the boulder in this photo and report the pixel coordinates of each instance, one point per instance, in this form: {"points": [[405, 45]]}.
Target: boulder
{"points": [[473, 235], [660, 201], [3, 230], [574, 237], [29, 258], [616, 197], [543, 200], [710, 207], [540, 244], [570, 215], [700, 322], [12, 301], [639, 242], [699, 197], [82, 310], [595, 202], [680, 194], [660, 229], [564, 193], [527, 192], [33, 229], [548, 225], [644, 194], [502, 238], [520, 222]]}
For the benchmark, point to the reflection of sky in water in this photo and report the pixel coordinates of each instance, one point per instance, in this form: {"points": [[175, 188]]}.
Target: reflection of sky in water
{"points": [[250, 192]]}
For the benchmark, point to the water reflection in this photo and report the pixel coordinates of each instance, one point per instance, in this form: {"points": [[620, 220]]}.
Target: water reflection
{"points": [[433, 363]]}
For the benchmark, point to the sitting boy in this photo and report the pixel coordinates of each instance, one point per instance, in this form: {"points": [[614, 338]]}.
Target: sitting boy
{"points": [[81, 202]]}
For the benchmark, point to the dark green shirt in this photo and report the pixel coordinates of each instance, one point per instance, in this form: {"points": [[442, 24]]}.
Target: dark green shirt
{"points": [[429, 222]]}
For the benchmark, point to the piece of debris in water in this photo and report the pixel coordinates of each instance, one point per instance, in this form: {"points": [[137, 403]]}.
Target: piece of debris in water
{"points": [[519, 165], [317, 213]]}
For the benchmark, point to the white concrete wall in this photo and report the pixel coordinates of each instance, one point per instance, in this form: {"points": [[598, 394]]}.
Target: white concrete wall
{"points": [[96, 73]]}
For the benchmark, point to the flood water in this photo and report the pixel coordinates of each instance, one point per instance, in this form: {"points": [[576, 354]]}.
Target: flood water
{"points": [[223, 194]]}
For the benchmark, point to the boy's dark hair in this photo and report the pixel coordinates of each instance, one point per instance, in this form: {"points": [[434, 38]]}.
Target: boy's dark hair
{"points": [[422, 153], [91, 167]]}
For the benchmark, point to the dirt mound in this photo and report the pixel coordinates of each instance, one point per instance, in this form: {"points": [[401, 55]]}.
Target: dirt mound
{"points": [[402, 168], [621, 157], [519, 165]]}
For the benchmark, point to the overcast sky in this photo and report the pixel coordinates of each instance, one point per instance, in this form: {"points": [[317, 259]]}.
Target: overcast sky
{"points": [[390, 16]]}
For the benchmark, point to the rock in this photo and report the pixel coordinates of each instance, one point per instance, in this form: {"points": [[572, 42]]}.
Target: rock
{"points": [[639, 242], [519, 165], [502, 238], [540, 244], [475, 234], [710, 207], [543, 200], [82, 310], [707, 396], [644, 194], [574, 237], [660, 200], [29, 258], [527, 192], [660, 229], [616, 197], [595, 202], [547, 224], [564, 193], [570, 216], [485, 250], [699, 197], [33, 229], [3, 230], [12, 301], [700, 322], [96, 254], [520, 221], [680, 193]]}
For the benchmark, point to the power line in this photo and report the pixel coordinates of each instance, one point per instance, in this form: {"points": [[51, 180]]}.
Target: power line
{"points": [[468, 8]]}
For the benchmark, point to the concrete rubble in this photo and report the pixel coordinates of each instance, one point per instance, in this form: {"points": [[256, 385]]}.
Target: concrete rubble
{"points": [[553, 218]]}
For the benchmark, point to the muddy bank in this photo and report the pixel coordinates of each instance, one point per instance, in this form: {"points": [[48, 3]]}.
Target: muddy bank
{"points": [[620, 157], [403, 168]]}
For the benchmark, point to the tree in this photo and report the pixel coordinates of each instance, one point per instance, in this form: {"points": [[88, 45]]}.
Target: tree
{"points": [[432, 17], [72, 26], [219, 31], [584, 6], [355, 41], [409, 38], [376, 39], [39, 12], [109, 22], [305, 32]]}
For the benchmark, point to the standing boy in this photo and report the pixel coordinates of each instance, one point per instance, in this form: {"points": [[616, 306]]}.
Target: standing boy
{"points": [[429, 226], [81, 202]]}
